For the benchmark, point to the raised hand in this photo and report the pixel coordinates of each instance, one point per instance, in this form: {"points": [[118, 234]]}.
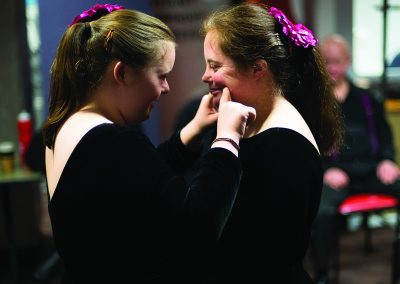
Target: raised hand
{"points": [[233, 117], [206, 115]]}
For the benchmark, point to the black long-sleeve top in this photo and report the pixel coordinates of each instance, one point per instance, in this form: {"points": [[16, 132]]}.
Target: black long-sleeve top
{"points": [[357, 157], [121, 213], [267, 234]]}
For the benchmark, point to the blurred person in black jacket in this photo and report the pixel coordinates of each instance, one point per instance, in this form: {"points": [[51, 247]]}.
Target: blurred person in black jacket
{"points": [[366, 162]]}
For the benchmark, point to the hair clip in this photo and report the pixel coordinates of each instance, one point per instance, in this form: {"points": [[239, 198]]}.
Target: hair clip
{"points": [[301, 35], [107, 44]]}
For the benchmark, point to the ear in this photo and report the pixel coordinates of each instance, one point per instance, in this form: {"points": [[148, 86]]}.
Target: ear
{"points": [[119, 72], [259, 68]]}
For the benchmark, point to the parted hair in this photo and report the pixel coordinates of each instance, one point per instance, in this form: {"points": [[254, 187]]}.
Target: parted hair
{"points": [[86, 49], [247, 32]]}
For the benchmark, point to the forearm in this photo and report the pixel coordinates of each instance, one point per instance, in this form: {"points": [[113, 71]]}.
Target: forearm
{"points": [[176, 154], [213, 192], [191, 136]]}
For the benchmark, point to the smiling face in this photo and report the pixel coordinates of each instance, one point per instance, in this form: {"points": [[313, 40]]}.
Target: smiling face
{"points": [[221, 72], [144, 87]]}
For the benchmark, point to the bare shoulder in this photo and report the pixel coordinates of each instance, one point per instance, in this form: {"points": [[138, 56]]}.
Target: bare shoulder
{"points": [[67, 138], [285, 115]]}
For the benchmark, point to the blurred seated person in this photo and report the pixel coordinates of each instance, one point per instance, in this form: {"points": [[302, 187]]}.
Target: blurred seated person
{"points": [[365, 164]]}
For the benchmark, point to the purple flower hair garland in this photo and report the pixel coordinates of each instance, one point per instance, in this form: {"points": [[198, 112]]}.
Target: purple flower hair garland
{"points": [[95, 12], [301, 35]]}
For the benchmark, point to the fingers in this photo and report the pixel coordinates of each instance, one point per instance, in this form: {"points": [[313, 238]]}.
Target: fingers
{"points": [[252, 115], [210, 101], [226, 96], [207, 100]]}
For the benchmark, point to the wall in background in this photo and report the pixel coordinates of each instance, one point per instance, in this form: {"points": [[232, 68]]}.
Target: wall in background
{"points": [[14, 84]]}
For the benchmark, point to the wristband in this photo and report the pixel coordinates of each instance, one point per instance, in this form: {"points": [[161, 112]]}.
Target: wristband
{"points": [[234, 144]]}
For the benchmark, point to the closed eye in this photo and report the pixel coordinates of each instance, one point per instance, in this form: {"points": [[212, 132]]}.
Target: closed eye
{"points": [[214, 67]]}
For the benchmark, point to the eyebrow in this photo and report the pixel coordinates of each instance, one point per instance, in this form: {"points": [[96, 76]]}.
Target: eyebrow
{"points": [[163, 69], [213, 61], [163, 72]]}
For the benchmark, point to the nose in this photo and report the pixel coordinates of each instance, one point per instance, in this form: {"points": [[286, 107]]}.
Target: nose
{"points": [[206, 76], [165, 89]]}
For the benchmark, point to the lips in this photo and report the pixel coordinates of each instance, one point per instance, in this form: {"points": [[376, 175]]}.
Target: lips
{"points": [[216, 93]]}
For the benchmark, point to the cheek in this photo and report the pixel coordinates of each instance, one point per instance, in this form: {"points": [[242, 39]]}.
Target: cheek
{"points": [[218, 77], [343, 69], [337, 68], [333, 70], [152, 89]]}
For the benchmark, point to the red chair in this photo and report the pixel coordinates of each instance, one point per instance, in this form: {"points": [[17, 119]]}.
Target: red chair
{"points": [[366, 204]]}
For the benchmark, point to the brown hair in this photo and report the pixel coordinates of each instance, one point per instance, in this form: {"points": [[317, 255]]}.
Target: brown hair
{"points": [[247, 32], [86, 49]]}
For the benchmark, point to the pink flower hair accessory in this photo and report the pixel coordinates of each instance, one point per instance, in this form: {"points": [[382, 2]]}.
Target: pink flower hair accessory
{"points": [[301, 35], [95, 12]]}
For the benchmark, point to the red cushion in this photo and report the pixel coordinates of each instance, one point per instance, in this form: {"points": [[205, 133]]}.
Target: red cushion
{"points": [[366, 202]]}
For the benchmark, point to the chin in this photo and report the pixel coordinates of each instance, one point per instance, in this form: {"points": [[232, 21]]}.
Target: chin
{"points": [[140, 118], [216, 99]]}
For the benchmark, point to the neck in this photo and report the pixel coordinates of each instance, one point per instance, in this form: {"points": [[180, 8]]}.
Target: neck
{"points": [[341, 90], [98, 108], [263, 111]]}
